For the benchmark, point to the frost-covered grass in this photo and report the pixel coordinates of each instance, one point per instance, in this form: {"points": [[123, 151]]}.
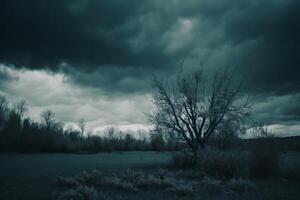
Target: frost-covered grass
{"points": [[78, 193], [128, 180], [160, 181]]}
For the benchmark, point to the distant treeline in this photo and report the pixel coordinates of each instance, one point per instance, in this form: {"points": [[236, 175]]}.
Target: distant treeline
{"points": [[282, 144], [24, 135]]}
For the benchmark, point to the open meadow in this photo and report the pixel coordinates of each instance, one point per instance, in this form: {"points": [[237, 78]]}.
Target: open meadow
{"points": [[25, 176], [127, 175]]}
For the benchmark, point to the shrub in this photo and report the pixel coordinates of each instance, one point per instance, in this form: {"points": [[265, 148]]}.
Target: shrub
{"points": [[289, 165], [264, 162], [225, 164], [181, 160]]}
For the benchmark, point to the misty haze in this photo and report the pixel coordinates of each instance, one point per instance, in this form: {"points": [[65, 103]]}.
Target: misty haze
{"points": [[154, 99]]}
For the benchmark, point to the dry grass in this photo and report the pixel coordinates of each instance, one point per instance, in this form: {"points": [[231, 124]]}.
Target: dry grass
{"points": [[131, 181], [240, 185], [179, 183], [66, 182], [84, 178], [78, 193]]}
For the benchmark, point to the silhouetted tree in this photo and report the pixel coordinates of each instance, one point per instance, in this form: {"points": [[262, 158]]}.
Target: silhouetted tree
{"points": [[192, 108], [48, 120], [230, 128], [260, 131], [21, 134], [157, 140], [82, 125], [128, 140], [3, 111], [13, 127]]}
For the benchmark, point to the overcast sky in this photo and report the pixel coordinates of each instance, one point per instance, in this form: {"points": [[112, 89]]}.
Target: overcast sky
{"points": [[94, 59]]}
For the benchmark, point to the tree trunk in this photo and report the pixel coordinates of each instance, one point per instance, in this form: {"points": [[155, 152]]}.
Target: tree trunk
{"points": [[195, 158], [201, 146], [195, 155]]}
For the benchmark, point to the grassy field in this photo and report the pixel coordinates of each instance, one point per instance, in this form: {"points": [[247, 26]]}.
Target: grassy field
{"points": [[31, 176]]}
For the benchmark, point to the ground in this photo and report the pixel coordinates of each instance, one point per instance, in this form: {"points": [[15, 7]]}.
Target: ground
{"points": [[31, 176]]}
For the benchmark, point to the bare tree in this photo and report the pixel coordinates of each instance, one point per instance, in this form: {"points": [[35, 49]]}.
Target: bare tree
{"points": [[260, 131], [20, 108], [230, 128], [82, 126], [192, 108], [111, 133], [48, 120], [3, 110]]}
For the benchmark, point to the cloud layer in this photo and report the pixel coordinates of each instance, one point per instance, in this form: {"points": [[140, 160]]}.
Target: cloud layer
{"points": [[115, 46], [71, 103]]}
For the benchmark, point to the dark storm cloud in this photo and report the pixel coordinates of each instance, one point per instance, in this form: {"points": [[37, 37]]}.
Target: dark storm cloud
{"points": [[82, 33], [274, 59], [114, 79], [117, 45], [142, 34], [283, 109], [5, 77]]}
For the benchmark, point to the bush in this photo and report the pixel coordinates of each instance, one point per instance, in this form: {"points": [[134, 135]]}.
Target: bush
{"points": [[289, 165], [181, 160], [225, 164], [265, 162]]}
